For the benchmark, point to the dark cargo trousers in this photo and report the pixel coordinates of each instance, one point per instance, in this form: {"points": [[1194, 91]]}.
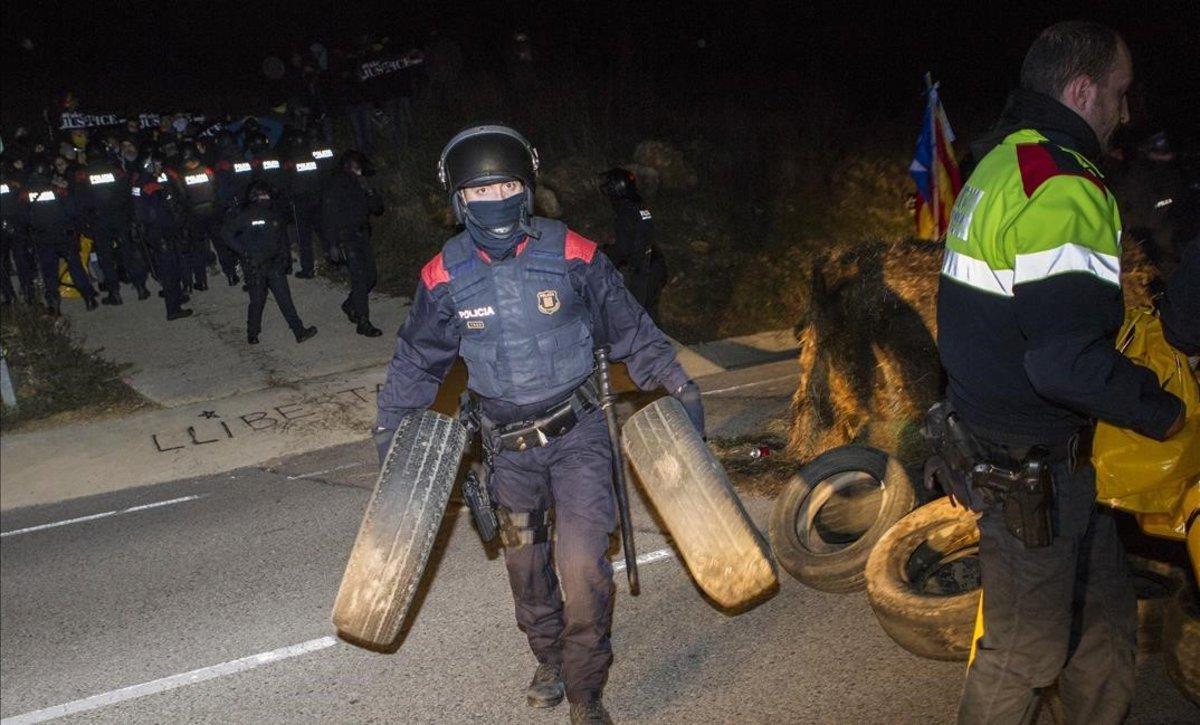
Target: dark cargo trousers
{"points": [[110, 238], [1065, 612], [567, 621], [274, 280]]}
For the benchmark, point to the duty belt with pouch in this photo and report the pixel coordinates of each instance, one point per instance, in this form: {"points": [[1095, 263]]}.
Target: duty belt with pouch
{"points": [[520, 436], [981, 474]]}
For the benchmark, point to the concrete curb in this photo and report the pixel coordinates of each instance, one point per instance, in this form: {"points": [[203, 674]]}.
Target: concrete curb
{"points": [[240, 430]]}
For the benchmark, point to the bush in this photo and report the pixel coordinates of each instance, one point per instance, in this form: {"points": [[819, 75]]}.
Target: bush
{"points": [[52, 374]]}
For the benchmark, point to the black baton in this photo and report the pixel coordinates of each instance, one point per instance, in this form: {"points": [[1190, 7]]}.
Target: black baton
{"points": [[618, 462]]}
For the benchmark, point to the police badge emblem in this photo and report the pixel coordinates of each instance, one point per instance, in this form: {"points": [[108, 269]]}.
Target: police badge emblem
{"points": [[548, 301]]}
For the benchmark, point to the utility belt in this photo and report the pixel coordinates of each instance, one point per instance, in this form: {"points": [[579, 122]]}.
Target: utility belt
{"points": [[541, 429], [990, 471], [516, 528]]}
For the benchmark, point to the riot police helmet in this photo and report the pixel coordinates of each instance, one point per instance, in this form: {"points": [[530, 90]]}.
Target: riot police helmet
{"points": [[258, 191], [487, 154], [356, 162], [618, 183]]}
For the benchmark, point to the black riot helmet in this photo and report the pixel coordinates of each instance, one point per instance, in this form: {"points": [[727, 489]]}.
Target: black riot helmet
{"points": [[482, 155], [351, 159], [618, 183], [258, 142], [258, 191]]}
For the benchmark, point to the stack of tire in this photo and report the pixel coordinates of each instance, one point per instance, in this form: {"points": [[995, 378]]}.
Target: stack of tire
{"points": [[846, 521]]}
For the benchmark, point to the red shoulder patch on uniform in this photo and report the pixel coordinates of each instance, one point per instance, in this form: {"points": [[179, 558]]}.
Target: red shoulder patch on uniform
{"points": [[1038, 165], [152, 187], [578, 247], [81, 175], [224, 165], [434, 273]]}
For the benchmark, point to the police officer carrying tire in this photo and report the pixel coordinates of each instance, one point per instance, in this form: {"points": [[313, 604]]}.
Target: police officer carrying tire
{"points": [[258, 233], [633, 250], [346, 208], [1028, 308], [524, 300]]}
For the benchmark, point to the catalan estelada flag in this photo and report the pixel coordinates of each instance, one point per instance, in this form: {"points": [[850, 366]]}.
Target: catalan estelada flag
{"points": [[934, 168]]}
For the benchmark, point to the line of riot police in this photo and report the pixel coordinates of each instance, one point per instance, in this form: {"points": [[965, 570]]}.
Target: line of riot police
{"points": [[154, 207]]}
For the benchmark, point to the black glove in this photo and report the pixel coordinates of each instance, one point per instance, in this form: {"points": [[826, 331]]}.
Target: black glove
{"points": [[383, 441], [688, 396]]}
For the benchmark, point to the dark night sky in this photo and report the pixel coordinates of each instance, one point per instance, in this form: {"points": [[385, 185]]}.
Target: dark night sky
{"points": [[188, 54]]}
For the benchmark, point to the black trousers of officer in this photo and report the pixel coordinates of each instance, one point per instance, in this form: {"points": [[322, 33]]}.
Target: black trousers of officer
{"points": [[360, 261], [168, 261], [201, 230], [110, 239], [567, 622], [308, 216], [53, 247], [272, 278], [645, 282], [17, 255], [1066, 611]]}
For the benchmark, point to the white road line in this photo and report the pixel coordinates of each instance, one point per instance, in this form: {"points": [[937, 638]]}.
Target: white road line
{"points": [[342, 467], [647, 558], [748, 385], [170, 683], [106, 514]]}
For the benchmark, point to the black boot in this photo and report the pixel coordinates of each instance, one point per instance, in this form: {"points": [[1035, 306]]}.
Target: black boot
{"points": [[90, 303], [546, 689], [591, 712], [351, 315], [305, 274], [233, 279], [53, 309], [201, 286], [252, 338], [366, 329], [178, 314], [112, 298], [306, 333], [143, 293]]}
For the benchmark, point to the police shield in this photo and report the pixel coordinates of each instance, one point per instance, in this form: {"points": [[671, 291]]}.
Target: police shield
{"points": [[398, 529], [692, 494]]}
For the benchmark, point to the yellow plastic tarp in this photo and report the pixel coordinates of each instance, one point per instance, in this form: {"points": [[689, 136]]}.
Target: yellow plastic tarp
{"points": [[1139, 474], [67, 287]]}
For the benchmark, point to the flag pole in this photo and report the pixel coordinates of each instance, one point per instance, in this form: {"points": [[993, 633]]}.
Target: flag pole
{"points": [[933, 191]]}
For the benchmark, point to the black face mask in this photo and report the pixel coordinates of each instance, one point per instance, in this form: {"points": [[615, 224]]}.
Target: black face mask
{"points": [[495, 226]]}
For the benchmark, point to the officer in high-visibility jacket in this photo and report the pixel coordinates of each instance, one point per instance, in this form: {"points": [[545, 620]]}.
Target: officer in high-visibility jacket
{"points": [[1028, 308], [525, 300]]}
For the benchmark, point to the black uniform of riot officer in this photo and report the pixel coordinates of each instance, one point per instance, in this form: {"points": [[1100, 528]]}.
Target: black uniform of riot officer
{"points": [[346, 208], [307, 175], [104, 192], [197, 187], [258, 233], [156, 207], [15, 248], [525, 301], [53, 226], [633, 250]]}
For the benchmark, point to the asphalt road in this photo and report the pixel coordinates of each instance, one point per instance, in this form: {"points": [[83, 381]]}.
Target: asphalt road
{"points": [[215, 608]]}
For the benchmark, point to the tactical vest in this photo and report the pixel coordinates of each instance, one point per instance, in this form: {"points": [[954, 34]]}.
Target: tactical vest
{"points": [[270, 170], [307, 176], [199, 189], [261, 233], [10, 207], [526, 335], [47, 210], [239, 175], [107, 188], [152, 204]]}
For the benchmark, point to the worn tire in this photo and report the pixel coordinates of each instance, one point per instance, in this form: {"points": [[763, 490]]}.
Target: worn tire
{"points": [[834, 510], [1156, 584], [923, 581], [1181, 640], [718, 542], [398, 529]]}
